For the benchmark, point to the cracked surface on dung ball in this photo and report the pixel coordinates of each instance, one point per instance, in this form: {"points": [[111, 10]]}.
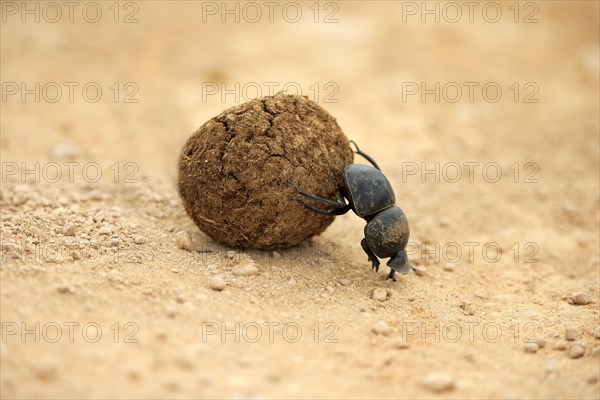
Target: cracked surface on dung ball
{"points": [[237, 172]]}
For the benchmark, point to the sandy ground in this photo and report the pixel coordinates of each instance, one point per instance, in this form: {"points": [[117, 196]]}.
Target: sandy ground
{"points": [[98, 301]]}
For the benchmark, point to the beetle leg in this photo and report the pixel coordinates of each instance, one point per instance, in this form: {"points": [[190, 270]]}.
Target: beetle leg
{"points": [[372, 257], [365, 155], [400, 262], [391, 275], [335, 211], [339, 203]]}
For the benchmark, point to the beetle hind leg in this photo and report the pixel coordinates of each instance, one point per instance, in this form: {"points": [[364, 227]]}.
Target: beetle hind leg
{"points": [[399, 263], [372, 257], [391, 275]]}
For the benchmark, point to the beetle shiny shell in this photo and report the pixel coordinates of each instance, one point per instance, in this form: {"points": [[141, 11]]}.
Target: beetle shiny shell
{"points": [[371, 197]]}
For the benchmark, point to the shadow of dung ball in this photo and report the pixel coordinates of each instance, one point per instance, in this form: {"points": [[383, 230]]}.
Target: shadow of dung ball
{"points": [[237, 172]]}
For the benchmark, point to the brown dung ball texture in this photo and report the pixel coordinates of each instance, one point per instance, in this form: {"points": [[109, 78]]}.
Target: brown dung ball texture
{"points": [[238, 172]]}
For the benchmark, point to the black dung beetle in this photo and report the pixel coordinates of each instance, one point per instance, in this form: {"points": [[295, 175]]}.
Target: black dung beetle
{"points": [[371, 197]]}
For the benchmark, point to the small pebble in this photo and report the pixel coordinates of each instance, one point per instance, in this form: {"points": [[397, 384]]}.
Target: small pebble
{"points": [[171, 311], [400, 344], [65, 150], [444, 222], [571, 333], [99, 216], [217, 283], [576, 350], [468, 308], [597, 332], [449, 267], [245, 268], [65, 289], [580, 298], [139, 240], [183, 239], [105, 230], [68, 229], [95, 194], [420, 270], [35, 231], [380, 294], [345, 282], [551, 367], [561, 345], [480, 293], [292, 282], [46, 371], [381, 328], [437, 382], [531, 347], [541, 341], [231, 254]]}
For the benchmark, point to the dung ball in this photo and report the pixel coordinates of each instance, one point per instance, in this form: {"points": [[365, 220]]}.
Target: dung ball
{"points": [[239, 172]]}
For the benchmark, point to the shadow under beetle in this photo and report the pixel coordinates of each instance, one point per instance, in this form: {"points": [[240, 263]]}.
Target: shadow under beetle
{"points": [[371, 197]]}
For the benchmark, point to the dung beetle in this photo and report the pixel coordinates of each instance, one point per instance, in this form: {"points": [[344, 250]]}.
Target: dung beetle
{"points": [[371, 197]]}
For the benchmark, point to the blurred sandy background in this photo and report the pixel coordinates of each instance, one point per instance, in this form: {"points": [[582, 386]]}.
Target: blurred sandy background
{"points": [[103, 252]]}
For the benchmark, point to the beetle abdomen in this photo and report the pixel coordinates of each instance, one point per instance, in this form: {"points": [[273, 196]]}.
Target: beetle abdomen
{"points": [[387, 233]]}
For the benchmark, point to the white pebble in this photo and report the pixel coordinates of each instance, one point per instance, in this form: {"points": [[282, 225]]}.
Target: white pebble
{"points": [[437, 382], [345, 282], [105, 230], [381, 328], [420, 270], [65, 150], [571, 333], [171, 311], [245, 268], [292, 282], [541, 341], [531, 347], [217, 283], [380, 294], [580, 298], [449, 267], [139, 240], [183, 239], [231, 254], [576, 350], [561, 345], [68, 229]]}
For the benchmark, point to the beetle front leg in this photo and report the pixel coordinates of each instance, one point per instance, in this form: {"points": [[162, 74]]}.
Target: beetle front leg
{"points": [[372, 257]]}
